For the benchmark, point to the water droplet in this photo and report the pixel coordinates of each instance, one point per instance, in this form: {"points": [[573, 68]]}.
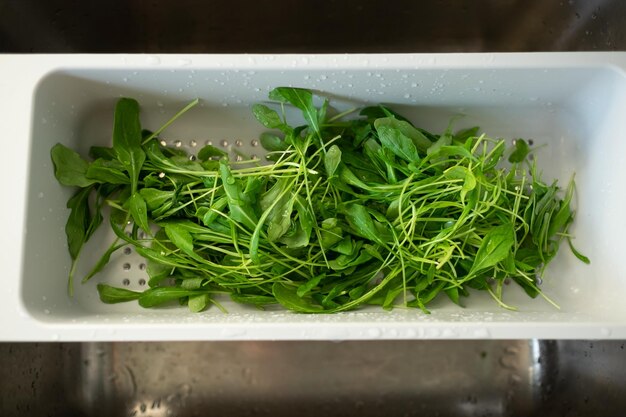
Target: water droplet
{"points": [[178, 143], [230, 180], [407, 95], [224, 143], [193, 143], [254, 142], [161, 174], [414, 85]]}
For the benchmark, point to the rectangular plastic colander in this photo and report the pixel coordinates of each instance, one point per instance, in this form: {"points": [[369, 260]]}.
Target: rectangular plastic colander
{"points": [[571, 102]]}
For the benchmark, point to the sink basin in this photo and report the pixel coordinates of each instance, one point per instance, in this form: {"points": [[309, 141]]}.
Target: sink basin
{"points": [[399, 378], [197, 26]]}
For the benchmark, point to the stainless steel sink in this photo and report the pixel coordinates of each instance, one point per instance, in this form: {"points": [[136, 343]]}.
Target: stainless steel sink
{"points": [[381, 378], [377, 378], [293, 26]]}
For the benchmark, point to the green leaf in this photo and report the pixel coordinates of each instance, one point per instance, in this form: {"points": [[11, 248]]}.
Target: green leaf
{"points": [[288, 298], [102, 152], [269, 118], [346, 246], [238, 206], [462, 173], [198, 302], [127, 138], [78, 221], [361, 221], [279, 219], [157, 272], [302, 99], [577, 254], [305, 288], [564, 214], [114, 295], [332, 158], [180, 237], [376, 112], [393, 139], [253, 299], [107, 171], [494, 248], [103, 261], [443, 141], [209, 151], [272, 143], [302, 234], [520, 151], [160, 295], [463, 135], [209, 214], [453, 294], [420, 141], [155, 198], [192, 283], [139, 212], [69, 168]]}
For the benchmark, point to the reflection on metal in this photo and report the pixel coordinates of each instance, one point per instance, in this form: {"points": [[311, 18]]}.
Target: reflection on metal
{"points": [[391, 378], [197, 26]]}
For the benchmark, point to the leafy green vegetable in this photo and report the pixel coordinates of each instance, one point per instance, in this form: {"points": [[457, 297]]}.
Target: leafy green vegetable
{"points": [[520, 151], [127, 139], [364, 211], [113, 295], [107, 171], [495, 247], [69, 168]]}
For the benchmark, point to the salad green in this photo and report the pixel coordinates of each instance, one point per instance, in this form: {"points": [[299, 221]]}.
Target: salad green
{"points": [[351, 211]]}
